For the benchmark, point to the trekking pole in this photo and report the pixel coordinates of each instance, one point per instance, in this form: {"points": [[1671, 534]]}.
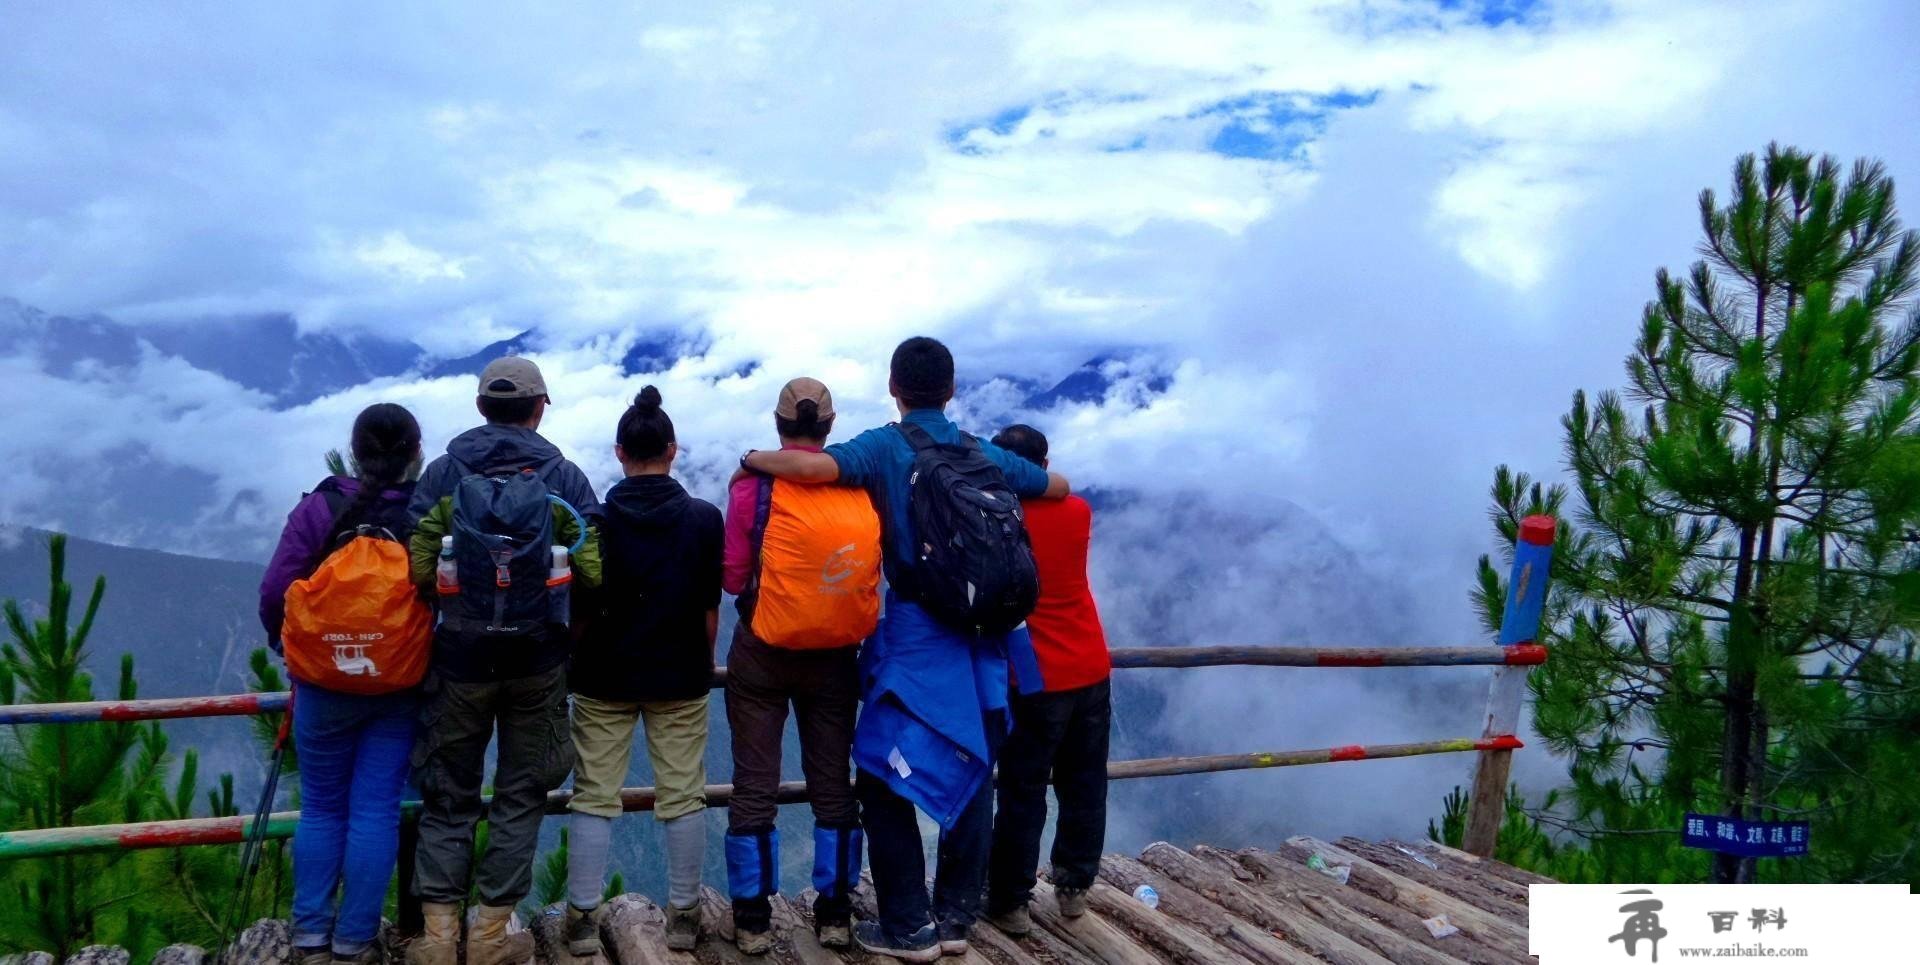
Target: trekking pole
{"points": [[256, 836]]}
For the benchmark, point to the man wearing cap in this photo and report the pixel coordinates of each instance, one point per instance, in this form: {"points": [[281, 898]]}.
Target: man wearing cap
{"points": [[481, 683], [805, 564]]}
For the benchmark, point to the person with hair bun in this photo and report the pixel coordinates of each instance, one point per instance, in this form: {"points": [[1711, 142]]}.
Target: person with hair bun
{"points": [[353, 746], [804, 562], [645, 658]]}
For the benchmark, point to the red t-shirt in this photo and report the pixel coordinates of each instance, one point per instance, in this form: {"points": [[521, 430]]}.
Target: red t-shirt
{"points": [[1065, 624]]}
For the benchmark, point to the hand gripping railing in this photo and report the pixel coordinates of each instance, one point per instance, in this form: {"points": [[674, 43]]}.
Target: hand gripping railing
{"points": [[1515, 655]]}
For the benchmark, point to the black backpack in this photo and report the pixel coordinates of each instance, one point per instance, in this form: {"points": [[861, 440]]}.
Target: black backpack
{"points": [[502, 530], [972, 566]]}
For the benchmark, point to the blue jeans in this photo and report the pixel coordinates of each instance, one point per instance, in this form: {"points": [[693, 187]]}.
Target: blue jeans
{"points": [[353, 752]]}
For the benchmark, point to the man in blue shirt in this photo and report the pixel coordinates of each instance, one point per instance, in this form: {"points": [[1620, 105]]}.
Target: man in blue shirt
{"points": [[935, 697]]}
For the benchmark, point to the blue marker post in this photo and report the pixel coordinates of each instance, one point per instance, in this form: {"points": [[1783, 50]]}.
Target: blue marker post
{"points": [[1519, 624]]}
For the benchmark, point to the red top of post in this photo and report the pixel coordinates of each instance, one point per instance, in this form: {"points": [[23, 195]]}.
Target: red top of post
{"points": [[1537, 530]]}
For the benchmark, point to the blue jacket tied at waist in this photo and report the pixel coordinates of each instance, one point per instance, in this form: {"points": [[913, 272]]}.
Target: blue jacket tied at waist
{"points": [[935, 708]]}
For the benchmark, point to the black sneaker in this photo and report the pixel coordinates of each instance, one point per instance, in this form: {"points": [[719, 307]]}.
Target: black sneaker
{"points": [[921, 946]]}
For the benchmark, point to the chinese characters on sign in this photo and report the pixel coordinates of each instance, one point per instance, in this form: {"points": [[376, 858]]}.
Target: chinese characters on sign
{"points": [[1752, 839]]}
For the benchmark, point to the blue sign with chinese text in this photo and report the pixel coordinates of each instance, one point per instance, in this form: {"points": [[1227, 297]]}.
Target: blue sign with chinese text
{"points": [[1750, 839]]}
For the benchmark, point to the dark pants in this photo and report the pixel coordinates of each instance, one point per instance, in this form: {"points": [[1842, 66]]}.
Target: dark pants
{"points": [[1063, 737], [900, 866], [536, 753], [824, 688]]}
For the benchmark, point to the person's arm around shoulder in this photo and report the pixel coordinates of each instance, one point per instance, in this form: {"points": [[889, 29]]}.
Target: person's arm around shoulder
{"points": [[1027, 480], [1057, 487], [793, 465]]}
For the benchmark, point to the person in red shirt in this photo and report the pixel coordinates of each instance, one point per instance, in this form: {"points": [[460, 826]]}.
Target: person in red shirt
{"points": [[1060, 727]]}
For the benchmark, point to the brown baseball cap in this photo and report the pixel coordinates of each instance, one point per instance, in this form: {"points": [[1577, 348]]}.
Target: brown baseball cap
{"points": [[803, 389], [512, 377]]}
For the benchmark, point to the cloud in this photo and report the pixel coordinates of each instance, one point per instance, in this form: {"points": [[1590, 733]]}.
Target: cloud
{"points": [[1344, 257]]}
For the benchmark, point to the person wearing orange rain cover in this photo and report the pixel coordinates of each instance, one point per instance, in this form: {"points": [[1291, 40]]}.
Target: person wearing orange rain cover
{"points": [[805, 564]]}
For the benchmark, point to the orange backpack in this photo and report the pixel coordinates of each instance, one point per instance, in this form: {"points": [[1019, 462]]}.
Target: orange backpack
{"points": [[357, 625], [816, 582]]}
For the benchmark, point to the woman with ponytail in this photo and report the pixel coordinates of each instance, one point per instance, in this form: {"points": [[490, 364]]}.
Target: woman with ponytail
{"points": [[805, 564], [645, 658], [353, 747]]}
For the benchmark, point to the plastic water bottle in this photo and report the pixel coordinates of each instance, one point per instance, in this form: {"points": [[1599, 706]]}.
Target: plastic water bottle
{"points": [[446, 575], [1147, 896], [560, 586]]}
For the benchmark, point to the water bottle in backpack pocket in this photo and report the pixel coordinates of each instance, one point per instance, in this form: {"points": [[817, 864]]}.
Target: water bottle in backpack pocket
{"points": [[560, 586]]}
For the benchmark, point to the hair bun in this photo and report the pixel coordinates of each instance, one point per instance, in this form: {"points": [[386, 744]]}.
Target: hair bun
{"points": [[649, 398]]}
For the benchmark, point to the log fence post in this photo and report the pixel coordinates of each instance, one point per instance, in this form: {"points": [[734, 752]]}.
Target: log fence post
{"points": [[1519, 625]]}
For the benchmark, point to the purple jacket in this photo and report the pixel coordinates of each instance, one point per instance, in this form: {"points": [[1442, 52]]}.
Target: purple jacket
{"points": [[308, 528]]}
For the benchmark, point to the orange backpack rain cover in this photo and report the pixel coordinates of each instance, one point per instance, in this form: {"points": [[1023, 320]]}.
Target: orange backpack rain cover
{"points": [[357, 625], [819, 563]]}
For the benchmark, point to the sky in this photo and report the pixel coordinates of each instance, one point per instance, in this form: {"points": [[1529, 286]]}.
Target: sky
{"points": [[1343, 257]]}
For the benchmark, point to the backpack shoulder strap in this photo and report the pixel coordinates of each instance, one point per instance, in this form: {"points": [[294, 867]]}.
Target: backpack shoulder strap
{"points": [[917, 437]]}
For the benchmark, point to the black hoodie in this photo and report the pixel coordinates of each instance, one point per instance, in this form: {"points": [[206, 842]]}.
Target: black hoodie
{"points": [[646, 631]]}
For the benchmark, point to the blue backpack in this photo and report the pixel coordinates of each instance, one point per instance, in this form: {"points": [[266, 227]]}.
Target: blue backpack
{"points": [[503, 541]]}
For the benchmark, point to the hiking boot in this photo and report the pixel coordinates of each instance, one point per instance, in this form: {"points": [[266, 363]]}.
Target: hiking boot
{"points": [[683, 928], [322, 955], [583, 934], [1073, 902], [369, 955], [834, 934], [921, 946], [1016, 921], [438, 943], [752, 942], [953, 937], [489, 942]]}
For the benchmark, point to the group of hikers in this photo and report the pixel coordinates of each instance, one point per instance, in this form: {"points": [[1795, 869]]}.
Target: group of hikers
{"points": [[494, 597]]}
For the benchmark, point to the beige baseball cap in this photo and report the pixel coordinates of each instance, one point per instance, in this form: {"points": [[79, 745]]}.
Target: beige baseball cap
{"points": [[802, 389], [512, 377]]}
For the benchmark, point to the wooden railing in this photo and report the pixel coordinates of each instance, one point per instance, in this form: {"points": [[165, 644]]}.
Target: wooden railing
{"points": [[1515, 655]]}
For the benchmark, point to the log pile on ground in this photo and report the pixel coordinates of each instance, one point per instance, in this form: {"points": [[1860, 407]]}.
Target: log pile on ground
{"points": [[1350, 902]]}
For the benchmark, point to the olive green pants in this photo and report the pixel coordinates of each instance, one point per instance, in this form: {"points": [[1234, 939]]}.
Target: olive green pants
{"points": [[676, 743]]}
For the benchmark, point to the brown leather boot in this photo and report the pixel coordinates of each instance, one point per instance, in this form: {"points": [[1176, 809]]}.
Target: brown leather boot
{"points": [[439, 943], [488, 942]]}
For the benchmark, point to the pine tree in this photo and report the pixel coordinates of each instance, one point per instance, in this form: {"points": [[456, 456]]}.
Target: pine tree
{"points": [[64, 775], [1733, 613]]}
